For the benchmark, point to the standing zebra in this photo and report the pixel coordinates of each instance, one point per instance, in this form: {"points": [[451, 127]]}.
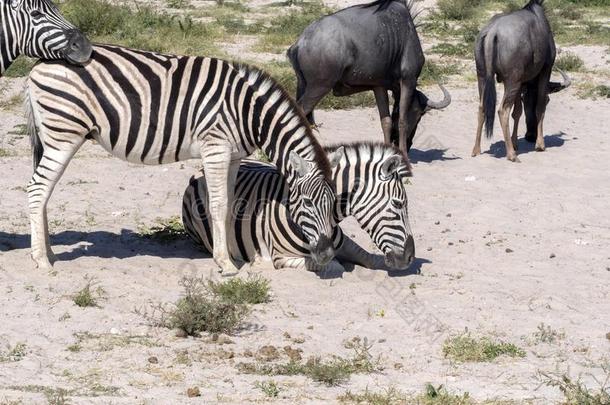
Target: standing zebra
{"points": [[150, 108], [370, 186], [36, 28]]}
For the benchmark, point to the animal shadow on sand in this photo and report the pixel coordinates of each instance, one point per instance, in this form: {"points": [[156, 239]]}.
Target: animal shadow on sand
{"points": [[498, 149], [105, 244], [430, 155], [414, 269]]}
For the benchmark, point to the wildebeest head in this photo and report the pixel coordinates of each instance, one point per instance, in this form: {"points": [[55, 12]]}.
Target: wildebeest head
{"points": [[312, 200], [37, 29], [419, 106], [555, 87]]}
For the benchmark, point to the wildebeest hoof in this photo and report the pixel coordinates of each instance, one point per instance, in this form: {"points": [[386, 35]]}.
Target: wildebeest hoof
{"points": [[540, 148], [476, 152], [514, 159]]}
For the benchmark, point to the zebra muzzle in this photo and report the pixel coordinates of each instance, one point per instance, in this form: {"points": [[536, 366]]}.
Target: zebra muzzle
{"points": [[401, 260], [323, 252], [78, 50]]}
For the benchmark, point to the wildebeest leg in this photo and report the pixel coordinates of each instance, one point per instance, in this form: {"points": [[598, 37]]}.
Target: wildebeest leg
{"points": [[541, 103], [406, 95], [517, 110], [383, 105], [311, 97], [529, 105], [511, 91], [477, 142]]}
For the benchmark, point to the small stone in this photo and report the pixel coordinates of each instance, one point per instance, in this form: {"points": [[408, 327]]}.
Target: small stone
{"points": [[286, 335], [429, 249], [153, 360], [268, 353], [214, 337], [437, 223], [608, 335], [114, 331], [311, 326], [509, 250], [450, 243], [193, 392], [381, 340], [181, 333], [398, 366], [448, 215], [552, 256], [248, 353], [293, 354], [299, 340]]}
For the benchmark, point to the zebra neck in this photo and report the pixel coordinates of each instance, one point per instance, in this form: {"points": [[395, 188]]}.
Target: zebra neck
{"points": [[347, 194]]}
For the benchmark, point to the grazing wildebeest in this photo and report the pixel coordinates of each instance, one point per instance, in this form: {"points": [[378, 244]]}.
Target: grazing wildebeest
{"points": [[518, 49], [373, 46]]}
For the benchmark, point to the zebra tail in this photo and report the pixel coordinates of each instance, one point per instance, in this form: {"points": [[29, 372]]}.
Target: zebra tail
{"points": [[32, 129]]}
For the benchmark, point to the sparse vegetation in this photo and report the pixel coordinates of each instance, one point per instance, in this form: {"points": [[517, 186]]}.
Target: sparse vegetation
{"points": [[269, 388], [20, 67], [433, 72], [431, 396], [253, 290], [570, 62], [465, 348], [546, 334], [13, 353], [332, 371], [165, 230], [211, 307], [575, 392], [89, 294], [458, 9]]}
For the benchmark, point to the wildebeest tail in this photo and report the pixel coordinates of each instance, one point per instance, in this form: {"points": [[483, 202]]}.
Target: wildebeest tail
{"points": [[489, 91], [293, 56], [37, 147]]}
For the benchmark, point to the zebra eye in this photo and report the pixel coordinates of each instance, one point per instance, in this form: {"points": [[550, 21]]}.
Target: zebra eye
{"points": [[307, 202], [398, 204], [35, 14]]}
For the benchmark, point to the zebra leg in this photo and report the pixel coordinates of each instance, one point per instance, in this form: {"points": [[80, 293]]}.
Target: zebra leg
{"points": [[306, 263], [351, 252], [46, 175], [220, 173]]}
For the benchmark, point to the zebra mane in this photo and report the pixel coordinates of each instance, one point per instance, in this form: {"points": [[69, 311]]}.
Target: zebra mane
{"points": [[369, 150], [276, 90]]}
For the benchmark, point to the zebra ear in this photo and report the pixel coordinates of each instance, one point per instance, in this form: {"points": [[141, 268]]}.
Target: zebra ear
{"points": [[389, 167], [300, 165], [335, 157]]}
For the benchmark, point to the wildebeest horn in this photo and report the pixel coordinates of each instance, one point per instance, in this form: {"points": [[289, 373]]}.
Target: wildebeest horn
{"points": [[554, 87], [438, 105]]}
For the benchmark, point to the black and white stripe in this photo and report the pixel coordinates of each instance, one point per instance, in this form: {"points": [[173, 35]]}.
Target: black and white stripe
{"points": [[151, 108], [37, 29], [370, 181]]}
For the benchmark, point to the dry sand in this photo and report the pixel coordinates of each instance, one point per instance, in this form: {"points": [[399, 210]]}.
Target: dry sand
{"points": [[501, 248]]}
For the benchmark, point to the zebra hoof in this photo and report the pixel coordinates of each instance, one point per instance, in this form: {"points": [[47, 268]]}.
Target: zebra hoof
{"points": [[43, 263], [227, 268]]}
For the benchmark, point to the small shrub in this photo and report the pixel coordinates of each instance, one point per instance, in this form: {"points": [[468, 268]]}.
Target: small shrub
{"points": [[570, 62], [254, 290], [575, 392], [89, 294], [465, 348], [389, 397], [601, 91], [440, 396], [458, 9], [269, 388], [546, 334], [13, 353], [20, 67], [166, 230], [433, 72], [202, 311], [333, 371]]}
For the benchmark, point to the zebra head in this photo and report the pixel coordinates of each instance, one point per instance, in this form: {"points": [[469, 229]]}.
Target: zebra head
{"points": [[312, 201], [371, 181], [37, 29]]}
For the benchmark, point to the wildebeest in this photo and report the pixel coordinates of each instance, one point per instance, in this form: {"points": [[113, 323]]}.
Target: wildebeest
{"points": [[373, 46], [517, 49]]}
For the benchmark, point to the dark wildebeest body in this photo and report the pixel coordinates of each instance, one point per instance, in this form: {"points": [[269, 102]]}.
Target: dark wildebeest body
{"points": [[366, 47], [519, 50]]}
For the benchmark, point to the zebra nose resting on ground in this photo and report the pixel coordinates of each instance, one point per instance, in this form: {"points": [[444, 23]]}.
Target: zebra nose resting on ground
{"points": [[370, 184], [37, 29]]}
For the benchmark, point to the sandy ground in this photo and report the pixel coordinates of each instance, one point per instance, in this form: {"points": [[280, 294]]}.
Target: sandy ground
{"points": [[501, 249]]}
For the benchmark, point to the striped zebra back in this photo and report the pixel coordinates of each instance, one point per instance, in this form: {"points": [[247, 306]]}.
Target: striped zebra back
{"points": [[37, 29], [260, 221]]}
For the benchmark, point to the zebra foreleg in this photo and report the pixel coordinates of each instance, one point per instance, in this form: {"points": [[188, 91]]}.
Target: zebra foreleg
{"points": [[221, 174], [306, 263], [46, 175], [351, 252]]}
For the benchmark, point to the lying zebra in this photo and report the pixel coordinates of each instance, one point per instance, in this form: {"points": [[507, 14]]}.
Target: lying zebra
{"points": [[150, 108], [370, 180]]}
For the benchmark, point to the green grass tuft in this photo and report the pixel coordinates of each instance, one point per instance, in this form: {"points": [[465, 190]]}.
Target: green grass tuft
{"points": [[254, 290], [569, 62], [465, 348], [166, 230], [89, 294]]}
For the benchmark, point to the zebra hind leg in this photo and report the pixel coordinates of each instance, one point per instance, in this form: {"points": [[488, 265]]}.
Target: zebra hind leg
{"points": [[221, 175], [306, 263], [47, 173]]}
